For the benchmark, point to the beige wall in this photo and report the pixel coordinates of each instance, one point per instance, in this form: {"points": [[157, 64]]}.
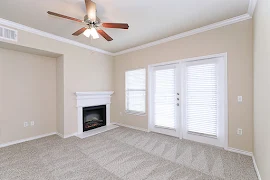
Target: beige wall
{"points": [[235, 39], [60, 104], [28, 93], [84, 70], [262, 87]]}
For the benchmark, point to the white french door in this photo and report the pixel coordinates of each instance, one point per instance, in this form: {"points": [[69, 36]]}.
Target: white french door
{"points": [[164, 100], [203, 97], [188, 99]]}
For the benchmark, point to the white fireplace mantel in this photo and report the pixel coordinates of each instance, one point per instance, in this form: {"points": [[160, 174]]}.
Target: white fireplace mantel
{"points": [[87, 99]]}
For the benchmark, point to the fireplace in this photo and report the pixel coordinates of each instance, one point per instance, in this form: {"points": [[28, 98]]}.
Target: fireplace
{"points": [[90, 100], [94, 117]]}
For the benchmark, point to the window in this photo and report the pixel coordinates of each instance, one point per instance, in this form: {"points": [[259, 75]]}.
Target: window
{"points": [[135, 91]]}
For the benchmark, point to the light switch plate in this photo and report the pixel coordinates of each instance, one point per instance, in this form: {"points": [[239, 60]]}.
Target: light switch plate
{"points": [[239, 131], [240, 98], [25, 124]]}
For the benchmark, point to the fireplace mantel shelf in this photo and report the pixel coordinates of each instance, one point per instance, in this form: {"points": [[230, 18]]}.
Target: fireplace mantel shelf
{"points": [[94, 93]]}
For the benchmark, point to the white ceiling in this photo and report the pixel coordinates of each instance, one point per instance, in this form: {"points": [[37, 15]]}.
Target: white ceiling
{"points": [[149, 20]]}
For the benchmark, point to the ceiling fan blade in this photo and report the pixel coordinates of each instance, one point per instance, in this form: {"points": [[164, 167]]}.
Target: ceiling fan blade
{"points": [[91, 10], [116, 25], [104, 34], [63, 16], [80, 31]]}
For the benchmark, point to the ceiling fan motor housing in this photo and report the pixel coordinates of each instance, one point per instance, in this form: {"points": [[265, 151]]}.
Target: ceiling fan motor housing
{"points": [[87, 20]]}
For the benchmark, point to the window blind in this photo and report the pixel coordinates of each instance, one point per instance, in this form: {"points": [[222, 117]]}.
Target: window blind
{"points": [[164, 98], [202, 99], [135, 91]]}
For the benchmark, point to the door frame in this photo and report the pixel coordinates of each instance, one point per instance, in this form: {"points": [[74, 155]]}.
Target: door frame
{"points": [[180, 73]]}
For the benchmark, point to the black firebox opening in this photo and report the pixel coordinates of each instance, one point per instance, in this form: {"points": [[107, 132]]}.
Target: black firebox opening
{"points": [[94, 117]]}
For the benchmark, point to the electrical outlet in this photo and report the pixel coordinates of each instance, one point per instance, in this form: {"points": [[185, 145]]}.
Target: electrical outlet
{"points": [[239, 131], [240, 98], [25, 124], [32, 123]]}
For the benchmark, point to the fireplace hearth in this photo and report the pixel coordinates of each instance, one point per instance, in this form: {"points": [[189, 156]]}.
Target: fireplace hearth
{"points": [[94, 117]]}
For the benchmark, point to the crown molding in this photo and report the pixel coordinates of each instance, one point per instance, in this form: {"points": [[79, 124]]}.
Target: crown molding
{"points": [[227, 22], [252, 6], [51, 36], [188, 33]]}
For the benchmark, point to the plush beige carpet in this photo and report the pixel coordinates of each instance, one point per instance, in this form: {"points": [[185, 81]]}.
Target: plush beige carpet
{"points": [[121, 153]]}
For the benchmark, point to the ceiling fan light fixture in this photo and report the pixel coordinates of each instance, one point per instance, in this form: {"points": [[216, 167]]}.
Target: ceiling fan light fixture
{"points": [[91, 32], [87, 33], [94, 33]]}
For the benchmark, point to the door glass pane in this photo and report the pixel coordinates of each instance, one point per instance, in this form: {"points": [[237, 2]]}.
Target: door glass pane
{"points": [[164, 98], [202, 99]]}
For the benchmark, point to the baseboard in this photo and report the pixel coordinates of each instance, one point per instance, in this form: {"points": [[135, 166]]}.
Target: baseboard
{"points": [[66, 136], [256, 168], [26, 139], [131, 127], [59, 134], [70, 135], [239, 151]]}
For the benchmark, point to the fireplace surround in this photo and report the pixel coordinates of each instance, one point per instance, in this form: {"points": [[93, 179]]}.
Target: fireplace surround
{"points": [[90, 100]]}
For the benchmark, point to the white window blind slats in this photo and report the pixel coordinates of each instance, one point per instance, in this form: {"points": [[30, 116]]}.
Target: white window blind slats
{"points": [[202, 99], [164, 98], [135, 91]]}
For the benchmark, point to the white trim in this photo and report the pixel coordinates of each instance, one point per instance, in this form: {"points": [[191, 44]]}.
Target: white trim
{"points": [[94, 93], [66, 136], [134, 113], [190, 59], [226, 104], [252, 6], [51, 36], [256, 168], [188, 33], [59, 134], [239, 151], [131, 127], [70, 135], [26, 139], [161, 41]]}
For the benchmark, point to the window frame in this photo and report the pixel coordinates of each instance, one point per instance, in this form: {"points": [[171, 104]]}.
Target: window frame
{"points": [[132, 112]]}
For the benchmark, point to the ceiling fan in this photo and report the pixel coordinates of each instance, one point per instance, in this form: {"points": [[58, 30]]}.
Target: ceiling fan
{"points": [[92, 22]]}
